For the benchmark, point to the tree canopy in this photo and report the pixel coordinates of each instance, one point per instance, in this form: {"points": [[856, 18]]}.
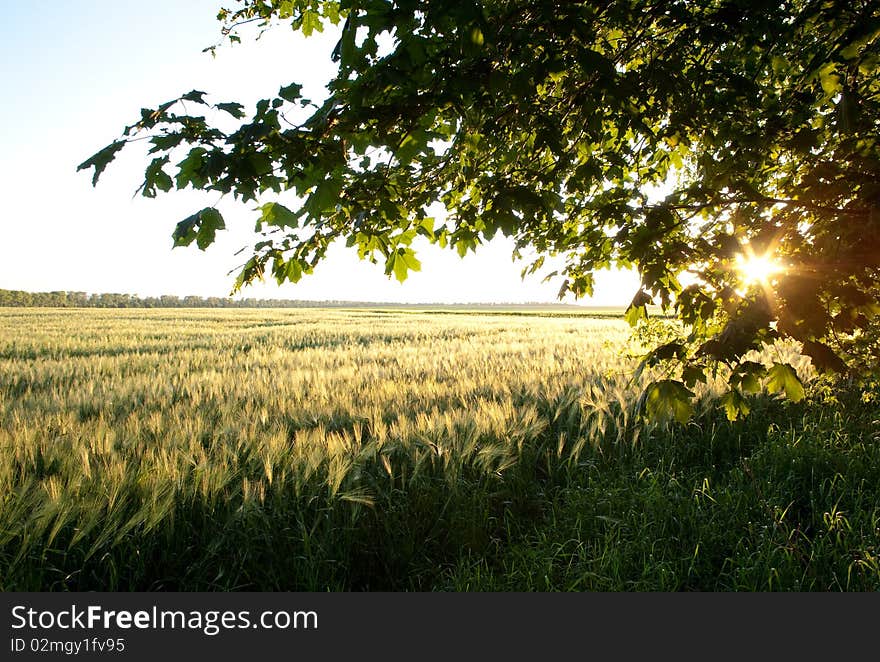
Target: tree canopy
{"points": [[727, 149]]}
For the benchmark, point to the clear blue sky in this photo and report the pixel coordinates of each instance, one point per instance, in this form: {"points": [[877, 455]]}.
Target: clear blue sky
{"points": [[74, 73]]}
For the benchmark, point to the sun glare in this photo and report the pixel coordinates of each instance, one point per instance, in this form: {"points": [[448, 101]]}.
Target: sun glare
{"points": [[757, 269]]}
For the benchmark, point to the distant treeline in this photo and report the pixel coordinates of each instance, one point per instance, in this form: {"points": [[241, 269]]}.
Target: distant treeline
{"points": [[116, 300]]}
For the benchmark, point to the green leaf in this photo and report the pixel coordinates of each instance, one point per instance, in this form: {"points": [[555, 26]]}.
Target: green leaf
{"points": [[189, 169], [156, 178], [667, 352], [734, 404], [294, 270], [426, 227], [210, 221], [324, 197], [277, 215], [851, 52], [410, 146], [691, 375], [201, 227], [311, 22], [285, 9], [667, 399], [779, 64], [638, 308], [252, 269], [165, 141], [185, 232], [234, 109], [747, 377], [290, 92], [195, 96], [783, 378], [750, 384], [401, 262], [100, 159], [346, 49], [331, 11], [829, 79], [823, 357]]}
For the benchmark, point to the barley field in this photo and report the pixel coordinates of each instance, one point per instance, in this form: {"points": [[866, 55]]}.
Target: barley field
{"points": [[367, 449]]}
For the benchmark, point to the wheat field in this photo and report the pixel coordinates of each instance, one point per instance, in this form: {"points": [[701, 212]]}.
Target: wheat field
{"points": [[320, 449]]}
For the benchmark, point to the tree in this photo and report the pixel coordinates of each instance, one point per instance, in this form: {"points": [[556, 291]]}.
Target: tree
{"points": [[727, 149]]}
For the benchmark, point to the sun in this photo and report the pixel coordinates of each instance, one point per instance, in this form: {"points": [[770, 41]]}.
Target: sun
{"points": [[757, 269]]}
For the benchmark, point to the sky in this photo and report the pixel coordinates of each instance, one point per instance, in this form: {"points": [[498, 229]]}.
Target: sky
{"points": [[74, 73]]}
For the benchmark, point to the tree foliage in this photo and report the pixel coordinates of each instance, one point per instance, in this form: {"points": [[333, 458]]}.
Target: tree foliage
{"points": [[673, 137]]}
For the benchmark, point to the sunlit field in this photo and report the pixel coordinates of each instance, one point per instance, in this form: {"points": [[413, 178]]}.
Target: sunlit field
{"points": [[337, 450]]}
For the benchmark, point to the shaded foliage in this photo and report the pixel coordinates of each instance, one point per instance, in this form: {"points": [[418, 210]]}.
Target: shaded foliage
{"points": [[673, 137]]}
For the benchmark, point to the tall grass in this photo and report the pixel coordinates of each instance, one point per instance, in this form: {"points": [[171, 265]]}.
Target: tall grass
{"points": [[332, 449]]}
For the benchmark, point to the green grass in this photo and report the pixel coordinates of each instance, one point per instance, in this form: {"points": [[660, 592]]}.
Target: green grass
{"points": [[784, 505], [367, 450]]}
